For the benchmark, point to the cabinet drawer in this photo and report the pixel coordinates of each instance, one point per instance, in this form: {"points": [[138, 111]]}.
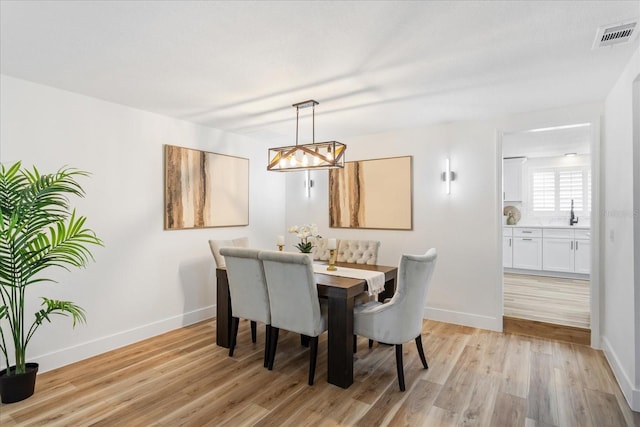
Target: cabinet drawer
{"points": [[507, 231], [527, 232], [558, 233], [582, 234]]}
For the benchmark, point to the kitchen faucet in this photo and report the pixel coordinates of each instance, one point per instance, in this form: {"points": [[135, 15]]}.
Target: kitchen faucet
{"points": [[573, 219]]}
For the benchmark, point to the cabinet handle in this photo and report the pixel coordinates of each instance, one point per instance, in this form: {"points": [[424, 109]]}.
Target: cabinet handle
{"points": [[528, 240], [509, 242], [572, 245], [576, 245], [526, 232]]}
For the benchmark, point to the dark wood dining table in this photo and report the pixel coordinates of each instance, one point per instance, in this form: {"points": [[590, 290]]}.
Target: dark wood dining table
{"points": [[340, 293]]}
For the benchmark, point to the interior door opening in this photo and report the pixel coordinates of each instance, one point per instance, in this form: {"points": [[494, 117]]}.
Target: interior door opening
{"points": [[546, 230]]}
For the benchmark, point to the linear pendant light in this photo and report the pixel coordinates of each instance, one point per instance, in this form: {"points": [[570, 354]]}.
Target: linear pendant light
{"points": [[317, 155]]}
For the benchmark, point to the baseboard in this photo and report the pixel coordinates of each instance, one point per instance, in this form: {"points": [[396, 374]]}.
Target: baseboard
{"points": [[92, 348], [629, 391], [550, 331], [465, 319]]}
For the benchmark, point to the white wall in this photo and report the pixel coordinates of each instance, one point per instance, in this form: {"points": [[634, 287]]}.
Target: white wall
{"points": [[145, 280], [621, 290], [463, 226]]}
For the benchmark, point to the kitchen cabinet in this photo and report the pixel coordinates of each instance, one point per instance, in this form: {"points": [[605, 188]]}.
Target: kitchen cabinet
{"points": [[512, 179], [527, 248], [566, 250], [507, 247], [557, 250], [552, 249], [582, 251]]}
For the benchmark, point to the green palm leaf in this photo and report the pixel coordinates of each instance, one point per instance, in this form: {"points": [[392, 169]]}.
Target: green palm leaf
{"points": [[38, 230]]}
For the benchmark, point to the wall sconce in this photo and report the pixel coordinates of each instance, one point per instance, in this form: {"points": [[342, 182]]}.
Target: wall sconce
{"points": [[308, 183], [448, 176]]}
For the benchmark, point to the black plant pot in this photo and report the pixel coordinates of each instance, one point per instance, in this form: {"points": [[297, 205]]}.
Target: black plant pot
{"points": [[15, 388]]}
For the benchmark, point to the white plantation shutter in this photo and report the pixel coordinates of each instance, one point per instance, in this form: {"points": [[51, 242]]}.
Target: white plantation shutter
{"points": [[543, 191], [570, 188], [553, 188]]}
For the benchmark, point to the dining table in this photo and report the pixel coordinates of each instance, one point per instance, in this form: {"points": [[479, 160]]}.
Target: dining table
{"points": [[340, 293]]}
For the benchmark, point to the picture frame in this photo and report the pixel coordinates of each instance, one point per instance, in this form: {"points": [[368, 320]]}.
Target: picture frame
{"points": [[373, 194], [204, 189]]}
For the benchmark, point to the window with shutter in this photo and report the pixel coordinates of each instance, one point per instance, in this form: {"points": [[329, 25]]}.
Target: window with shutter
{"points": [[570, 188], [543, 191], [553, 188]]}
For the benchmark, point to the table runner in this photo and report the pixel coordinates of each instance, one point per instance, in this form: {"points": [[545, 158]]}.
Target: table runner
{"points": [[374, 279]]}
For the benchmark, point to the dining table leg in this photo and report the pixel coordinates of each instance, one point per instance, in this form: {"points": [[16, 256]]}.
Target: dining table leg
{"points": [[340, 342]]}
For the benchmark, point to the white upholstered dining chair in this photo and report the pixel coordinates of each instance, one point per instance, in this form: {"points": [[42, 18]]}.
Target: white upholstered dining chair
{"points": [[293, 298], [215, 245], [248, 293], [358, 251], [320, 249], [400, 320]]}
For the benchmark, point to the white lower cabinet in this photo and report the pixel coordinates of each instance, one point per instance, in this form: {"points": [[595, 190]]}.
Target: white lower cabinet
{"points": [[527, 253], [566, 250], [507, 252], [507, 248], [583, 256], [557, 249], [557, 254]]}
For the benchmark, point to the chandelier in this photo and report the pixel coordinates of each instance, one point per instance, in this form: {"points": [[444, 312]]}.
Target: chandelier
{"points": [[317, 155]]}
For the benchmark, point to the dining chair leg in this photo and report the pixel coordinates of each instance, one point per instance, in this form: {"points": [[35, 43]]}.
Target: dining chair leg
{"points": [[304, 340], [313, 358], [370, 343], [253, 331], [399, 366], [267, 345], [421, 351], [234, 334], [274, 344]]}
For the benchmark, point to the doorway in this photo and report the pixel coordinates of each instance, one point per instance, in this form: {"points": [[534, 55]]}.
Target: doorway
{"points": [[546, 231]]}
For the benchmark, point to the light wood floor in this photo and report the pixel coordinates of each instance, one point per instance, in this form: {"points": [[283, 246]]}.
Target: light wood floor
{"points": [[476, 377], [547, 299]]}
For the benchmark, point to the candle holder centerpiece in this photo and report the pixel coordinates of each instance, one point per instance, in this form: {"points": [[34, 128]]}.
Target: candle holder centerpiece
{"points": [[331, 245]]}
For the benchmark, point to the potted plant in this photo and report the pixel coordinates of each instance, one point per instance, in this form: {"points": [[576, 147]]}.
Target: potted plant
{"points": [[38, 230], [307, 233]]}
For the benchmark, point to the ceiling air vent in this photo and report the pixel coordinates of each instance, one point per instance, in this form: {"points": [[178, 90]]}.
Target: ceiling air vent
{"points": [[610, 35]]}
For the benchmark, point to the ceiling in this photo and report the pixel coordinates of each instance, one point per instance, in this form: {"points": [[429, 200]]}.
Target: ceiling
{"points": [[549, 142], [373, 66]]}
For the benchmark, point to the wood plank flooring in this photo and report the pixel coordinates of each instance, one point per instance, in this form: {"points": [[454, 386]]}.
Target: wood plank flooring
{"points": [[475, 377], [547, 299], [550, 331]]}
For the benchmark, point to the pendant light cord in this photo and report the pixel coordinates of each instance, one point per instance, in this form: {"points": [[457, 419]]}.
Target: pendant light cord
{"points": [[313, 124], [297, 118]]}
